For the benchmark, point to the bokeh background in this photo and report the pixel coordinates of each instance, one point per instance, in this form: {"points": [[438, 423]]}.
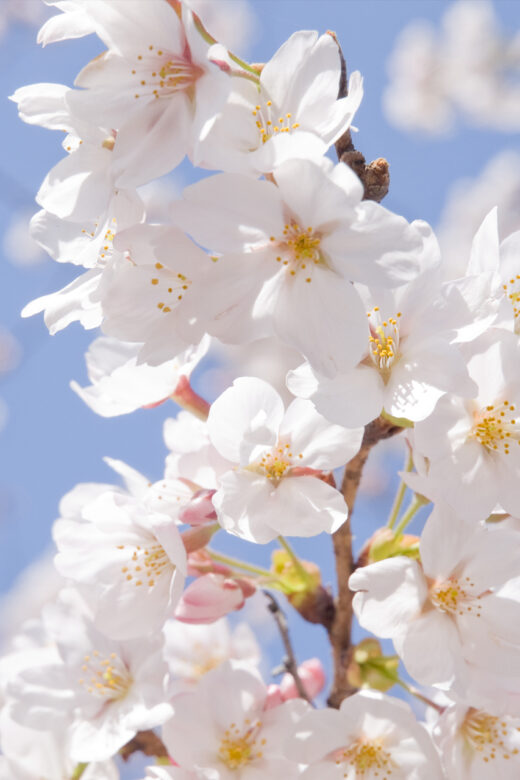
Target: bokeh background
{"points": [[449, 173]]}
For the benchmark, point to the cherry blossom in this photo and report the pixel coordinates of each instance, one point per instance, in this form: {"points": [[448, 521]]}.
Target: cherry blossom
{"points": [[409, 361], [457, 601], [223, 731], [120, 384], [156, 85], [290, 252], [371, 736], [273, 488], [129, 563], [474, 743], [293, 112], [475, 441], [99, 694]]}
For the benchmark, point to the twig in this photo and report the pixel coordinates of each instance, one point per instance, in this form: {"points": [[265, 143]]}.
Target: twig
{"points": [[289, 663], [375, 176], [340, 632], [146, 742]]}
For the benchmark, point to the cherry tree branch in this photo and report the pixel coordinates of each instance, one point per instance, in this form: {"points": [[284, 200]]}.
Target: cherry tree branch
{"points": [[375, 176], [340, 632], [146, 742], [289, 664]]}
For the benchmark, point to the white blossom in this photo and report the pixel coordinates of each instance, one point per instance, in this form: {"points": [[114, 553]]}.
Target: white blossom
{"points": [[273, 488]]}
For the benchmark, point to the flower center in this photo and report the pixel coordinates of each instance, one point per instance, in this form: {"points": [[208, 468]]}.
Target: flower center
{"points": [[271, 122], [366, 758], [171, 287], [496, 427], [106, 678], [454, 597], [146, 563], [299, 249], [276, 463], [240, 748], [383, 339], [161, 74], [490, 736], [512, 290]]}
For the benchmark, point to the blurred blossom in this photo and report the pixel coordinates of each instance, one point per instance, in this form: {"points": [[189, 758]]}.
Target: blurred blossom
{"points": [[19, 246], [468, 202], [37, 585], [231, 22], [29, 12], [266, 359], [10, 351], [468, 67]]}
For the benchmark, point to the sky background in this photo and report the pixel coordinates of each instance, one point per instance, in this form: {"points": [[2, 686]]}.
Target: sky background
{"points": [[52, 440]]}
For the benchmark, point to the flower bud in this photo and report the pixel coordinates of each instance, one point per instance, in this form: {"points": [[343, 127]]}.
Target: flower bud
{"points": [[303, 588], [385, 544], [209, 598], [200, 509], [369, 668]]}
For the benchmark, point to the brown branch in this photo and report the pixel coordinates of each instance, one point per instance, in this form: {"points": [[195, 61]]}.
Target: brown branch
{"points": [[340, 632], [290, 664], [375, 176], [146, 742]]}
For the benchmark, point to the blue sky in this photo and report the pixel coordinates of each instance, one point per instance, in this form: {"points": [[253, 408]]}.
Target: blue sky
{"points": [[52, 441]]}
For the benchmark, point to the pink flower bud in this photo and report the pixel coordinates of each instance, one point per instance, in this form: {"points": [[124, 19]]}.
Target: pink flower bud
{"points": [[311, 674], [200, 509], [209, 598]]}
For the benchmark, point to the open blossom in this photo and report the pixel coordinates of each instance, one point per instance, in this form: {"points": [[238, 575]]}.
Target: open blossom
{"points": [[222, 730], [155, 85], [193, 650], [154, 297], [291, 251], [370, 737], [120, 384], [129, 562], [408, 365], [477, 744], [294, 111], [273, 488], [453, 612], [473, 445], [28, 754], [98, 696]]}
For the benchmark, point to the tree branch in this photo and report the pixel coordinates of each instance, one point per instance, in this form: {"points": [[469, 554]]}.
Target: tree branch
{"points": [[289, 663], [375, 176], [340, 632], [146, 742]]}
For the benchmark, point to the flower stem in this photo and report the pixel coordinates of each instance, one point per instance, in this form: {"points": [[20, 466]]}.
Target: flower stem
{"points": [[211, 40], [418, 695], [235, 563], [399, 496], [78, 771], [415, 504]]}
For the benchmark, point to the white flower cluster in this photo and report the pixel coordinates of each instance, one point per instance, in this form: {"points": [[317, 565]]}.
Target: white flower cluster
{"points": [[468, 68], [279, 243]]}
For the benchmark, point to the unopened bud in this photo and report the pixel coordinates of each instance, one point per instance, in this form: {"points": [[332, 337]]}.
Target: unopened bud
{"points": [[385, 544], [369, 668]]}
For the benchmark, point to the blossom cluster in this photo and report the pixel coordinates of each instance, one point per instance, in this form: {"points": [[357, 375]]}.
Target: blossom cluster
{"points": [[275, 241]]}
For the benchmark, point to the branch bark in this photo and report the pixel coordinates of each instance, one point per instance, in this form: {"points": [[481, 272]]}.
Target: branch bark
{"points": [[340, 632], [289, 663], [146, 742], [375, 176]]}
